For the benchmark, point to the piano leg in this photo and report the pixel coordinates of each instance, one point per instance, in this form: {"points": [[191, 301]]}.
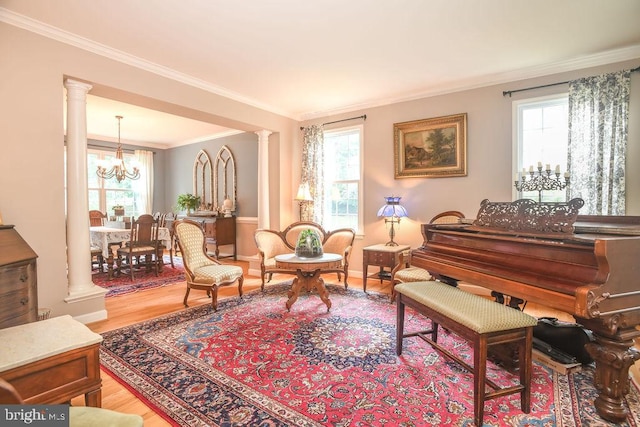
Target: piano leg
{"points": [[613, 358]]}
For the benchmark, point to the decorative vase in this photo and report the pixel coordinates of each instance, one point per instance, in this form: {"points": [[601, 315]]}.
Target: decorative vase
{"points": [[309, 244]]}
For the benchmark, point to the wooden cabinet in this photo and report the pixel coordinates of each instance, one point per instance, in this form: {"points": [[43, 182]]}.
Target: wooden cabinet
{"points": [[18, 279], [219, 231]]}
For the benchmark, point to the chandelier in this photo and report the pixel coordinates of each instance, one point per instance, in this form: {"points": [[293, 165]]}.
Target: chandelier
{"points": [[118, 168]]}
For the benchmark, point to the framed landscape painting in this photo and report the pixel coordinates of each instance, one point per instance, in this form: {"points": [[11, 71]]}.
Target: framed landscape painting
{"points": [[432, 148]]}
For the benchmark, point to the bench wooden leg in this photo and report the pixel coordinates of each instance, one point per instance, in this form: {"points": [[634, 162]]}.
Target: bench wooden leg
{"points": [[479, 377], [399, 326]]}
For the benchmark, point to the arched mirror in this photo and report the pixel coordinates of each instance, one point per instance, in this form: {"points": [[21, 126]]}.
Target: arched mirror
{"points": [[203, 180], [224, 181]]}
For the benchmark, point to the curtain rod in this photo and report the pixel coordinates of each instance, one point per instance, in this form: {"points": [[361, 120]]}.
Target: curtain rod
{"points": [[509, 92], [364, 117]]}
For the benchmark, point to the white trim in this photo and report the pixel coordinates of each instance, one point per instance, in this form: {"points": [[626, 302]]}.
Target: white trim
{"points": [[46, 30], [92, 317]]}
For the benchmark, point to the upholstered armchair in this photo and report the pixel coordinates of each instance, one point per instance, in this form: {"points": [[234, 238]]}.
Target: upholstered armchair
{"points": [[340, 242], [201, 271], [79, 416], [270, 243], [404, 272]]}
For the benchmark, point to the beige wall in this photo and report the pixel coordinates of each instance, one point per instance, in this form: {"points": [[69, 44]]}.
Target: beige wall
{"points": [[31, 166], [489, 145], [32, 195]]}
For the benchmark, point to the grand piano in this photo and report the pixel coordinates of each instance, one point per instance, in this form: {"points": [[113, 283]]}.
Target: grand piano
{"points": [[587, 266]]}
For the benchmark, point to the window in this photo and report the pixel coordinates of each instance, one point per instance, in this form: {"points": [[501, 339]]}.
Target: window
{"points": [[343, 178], [105, 194], [542, 136]]}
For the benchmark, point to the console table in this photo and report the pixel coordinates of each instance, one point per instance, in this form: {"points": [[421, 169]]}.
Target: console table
{"points": [[218, 230], [52, 361]]}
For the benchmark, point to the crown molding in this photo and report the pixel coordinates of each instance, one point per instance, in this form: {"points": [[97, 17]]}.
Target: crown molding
{"points": [[66, 37], [608, 57]]}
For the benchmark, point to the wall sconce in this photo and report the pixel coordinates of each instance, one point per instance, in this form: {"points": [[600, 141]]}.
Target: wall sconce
{"points": [[303, 196], [392, 211]]}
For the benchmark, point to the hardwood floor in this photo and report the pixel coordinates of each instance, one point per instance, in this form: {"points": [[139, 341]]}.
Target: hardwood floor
{"points": [[133, 308]]}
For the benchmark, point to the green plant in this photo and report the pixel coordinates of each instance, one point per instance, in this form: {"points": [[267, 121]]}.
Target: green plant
{"points": [[188, 202]]}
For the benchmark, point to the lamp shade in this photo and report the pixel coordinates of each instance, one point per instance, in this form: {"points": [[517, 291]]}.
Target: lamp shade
{"points": [[392, 208], [304, 195]]}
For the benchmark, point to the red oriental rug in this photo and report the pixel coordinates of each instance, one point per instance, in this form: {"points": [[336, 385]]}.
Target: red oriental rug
{"points": [[124, 285], [252, 363]]}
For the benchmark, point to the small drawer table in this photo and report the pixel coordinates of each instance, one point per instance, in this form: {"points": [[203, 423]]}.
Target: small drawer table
{"points": [[52, 361], [383, 256]]}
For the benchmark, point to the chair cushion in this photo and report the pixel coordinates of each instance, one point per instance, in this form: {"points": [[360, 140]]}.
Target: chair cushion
{"points": [[413, 274], [86, 416], [475, 312], [137, 249], [215, 273]]}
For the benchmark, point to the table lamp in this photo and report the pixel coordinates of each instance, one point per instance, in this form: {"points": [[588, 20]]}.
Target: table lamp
{"points": [[392, 211], [303, 196]]}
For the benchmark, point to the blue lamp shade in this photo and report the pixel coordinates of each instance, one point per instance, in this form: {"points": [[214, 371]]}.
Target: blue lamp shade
{"points": [[392, 208], [392, 211]]}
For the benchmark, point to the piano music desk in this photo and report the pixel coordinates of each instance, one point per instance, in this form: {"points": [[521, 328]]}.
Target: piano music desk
{"points": [[383, 256]]}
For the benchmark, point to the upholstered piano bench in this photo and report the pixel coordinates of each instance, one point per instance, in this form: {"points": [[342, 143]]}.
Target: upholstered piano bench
{"points": [[478, 320]]}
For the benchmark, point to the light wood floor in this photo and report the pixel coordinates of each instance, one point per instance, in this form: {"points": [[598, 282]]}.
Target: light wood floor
{"points": [[133, 308]]}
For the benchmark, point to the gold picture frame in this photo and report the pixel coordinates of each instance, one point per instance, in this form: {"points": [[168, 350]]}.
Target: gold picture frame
{"points": [[431, 148]]}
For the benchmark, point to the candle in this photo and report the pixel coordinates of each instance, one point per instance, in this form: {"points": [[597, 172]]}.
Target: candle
{"points": [[516, 177], [548, 167], [531, 168], [557, 168], [539, 165], [566, 175]]}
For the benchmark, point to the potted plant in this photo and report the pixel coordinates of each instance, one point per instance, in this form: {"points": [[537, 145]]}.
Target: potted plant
{"points": [[309, 244], [188, 202]]}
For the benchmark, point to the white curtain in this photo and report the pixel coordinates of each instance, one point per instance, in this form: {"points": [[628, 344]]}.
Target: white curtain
{"points": [[598, 119], [313, 172], [143, 187]]}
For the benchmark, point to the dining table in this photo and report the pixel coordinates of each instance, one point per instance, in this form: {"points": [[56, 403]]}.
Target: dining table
{"points": [[104, 237]]}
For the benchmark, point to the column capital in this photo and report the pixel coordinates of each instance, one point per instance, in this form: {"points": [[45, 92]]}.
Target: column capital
{"points": [[74, 84], [263, 135]]}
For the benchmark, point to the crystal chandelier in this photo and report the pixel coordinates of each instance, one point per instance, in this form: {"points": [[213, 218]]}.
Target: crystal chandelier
{"points": [[118, 168]]}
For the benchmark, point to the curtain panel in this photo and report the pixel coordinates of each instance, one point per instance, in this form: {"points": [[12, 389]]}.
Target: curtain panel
{"points": [[313, 172], [598, 118], [143, 187]]}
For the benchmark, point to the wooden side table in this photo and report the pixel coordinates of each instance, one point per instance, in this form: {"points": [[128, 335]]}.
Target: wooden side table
{"points": [[383, 256], [52, 361]]}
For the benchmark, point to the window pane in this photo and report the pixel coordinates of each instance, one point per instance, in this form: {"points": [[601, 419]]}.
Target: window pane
{"points": [[342, 178], [543, 138]]}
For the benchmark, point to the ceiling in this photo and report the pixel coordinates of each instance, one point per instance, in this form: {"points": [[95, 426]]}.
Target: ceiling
{"points": [[307, 59]]}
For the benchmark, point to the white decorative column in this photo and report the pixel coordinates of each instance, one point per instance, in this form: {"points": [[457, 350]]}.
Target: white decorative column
{"points": [[263, 179], [78, 241]]}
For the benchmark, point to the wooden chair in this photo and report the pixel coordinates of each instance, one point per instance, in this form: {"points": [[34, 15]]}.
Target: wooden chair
{"points": [[143, 242], [79, 416], [96, 218], [169, 219], [403, 272], [200, 270]]}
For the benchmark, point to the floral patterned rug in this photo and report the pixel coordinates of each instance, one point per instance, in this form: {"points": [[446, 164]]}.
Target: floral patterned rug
{"points": [[124, 285], [252, 363]]}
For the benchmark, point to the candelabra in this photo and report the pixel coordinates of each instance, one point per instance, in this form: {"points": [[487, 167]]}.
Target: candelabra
{"points": [[541, 180]]}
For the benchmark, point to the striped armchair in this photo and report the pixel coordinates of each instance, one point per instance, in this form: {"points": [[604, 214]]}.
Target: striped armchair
{"points": [[201, 271], [404, 272]]}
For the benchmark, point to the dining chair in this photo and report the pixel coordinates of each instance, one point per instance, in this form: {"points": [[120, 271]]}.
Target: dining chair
{"points": [[202, 271], [96, 218], [169, 220], [143, 242]]}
